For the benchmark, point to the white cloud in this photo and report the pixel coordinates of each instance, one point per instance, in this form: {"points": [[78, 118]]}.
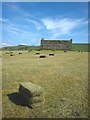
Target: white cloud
{"points": [[19, 10], [38, 25], [4, 44], [11, 27], [24, 44], [22, 33], [12, 31], [4, 20], [63, 26]]}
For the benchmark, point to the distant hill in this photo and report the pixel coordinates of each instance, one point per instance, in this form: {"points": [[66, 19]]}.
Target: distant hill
{"points": [[80, 46], [75, 47], [20, 47]]}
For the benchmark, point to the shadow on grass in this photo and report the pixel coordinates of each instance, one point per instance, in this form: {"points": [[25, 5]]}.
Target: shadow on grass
{"points": [[17, 99]]}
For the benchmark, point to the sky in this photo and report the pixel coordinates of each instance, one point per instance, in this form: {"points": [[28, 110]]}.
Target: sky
{"points": [[26, 23]]}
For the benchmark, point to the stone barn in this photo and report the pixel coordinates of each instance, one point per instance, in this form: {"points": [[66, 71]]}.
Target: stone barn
{"points": [[56, 44]]}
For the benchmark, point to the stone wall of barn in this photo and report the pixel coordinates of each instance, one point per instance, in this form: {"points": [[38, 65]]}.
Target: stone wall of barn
{"points": [[56, 44]]}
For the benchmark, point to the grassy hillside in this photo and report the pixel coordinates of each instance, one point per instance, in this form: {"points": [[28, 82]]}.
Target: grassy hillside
{"points": [[20, 47], [75, 47]]}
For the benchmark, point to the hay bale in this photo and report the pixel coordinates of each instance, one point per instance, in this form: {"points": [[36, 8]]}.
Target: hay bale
{"points": [[37, 53], [30, 89], [42, 56], [11, 55], [31, 93], [20, 53], [7, 53], [51, 54]]}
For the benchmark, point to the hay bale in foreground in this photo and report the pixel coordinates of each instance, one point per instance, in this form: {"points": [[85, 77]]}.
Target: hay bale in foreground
{"points": [[30, 89], [42, 56], [31, 93], [51, 54]]}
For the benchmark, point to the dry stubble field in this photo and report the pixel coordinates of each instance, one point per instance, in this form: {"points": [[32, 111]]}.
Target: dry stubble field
{"points": [[64, 78]]}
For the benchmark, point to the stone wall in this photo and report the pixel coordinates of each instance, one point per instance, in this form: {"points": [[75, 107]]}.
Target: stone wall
{"points": [[56, 44]]}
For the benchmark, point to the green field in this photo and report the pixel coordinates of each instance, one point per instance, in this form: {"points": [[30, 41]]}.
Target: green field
{"points": [[64, 78], [77, 47]]}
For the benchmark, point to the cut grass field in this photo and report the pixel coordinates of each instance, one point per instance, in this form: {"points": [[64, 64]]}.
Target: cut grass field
{"points": [[64, 78]]}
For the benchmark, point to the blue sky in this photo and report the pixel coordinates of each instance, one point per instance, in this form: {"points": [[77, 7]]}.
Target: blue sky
{"points": [[27, 23]]}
